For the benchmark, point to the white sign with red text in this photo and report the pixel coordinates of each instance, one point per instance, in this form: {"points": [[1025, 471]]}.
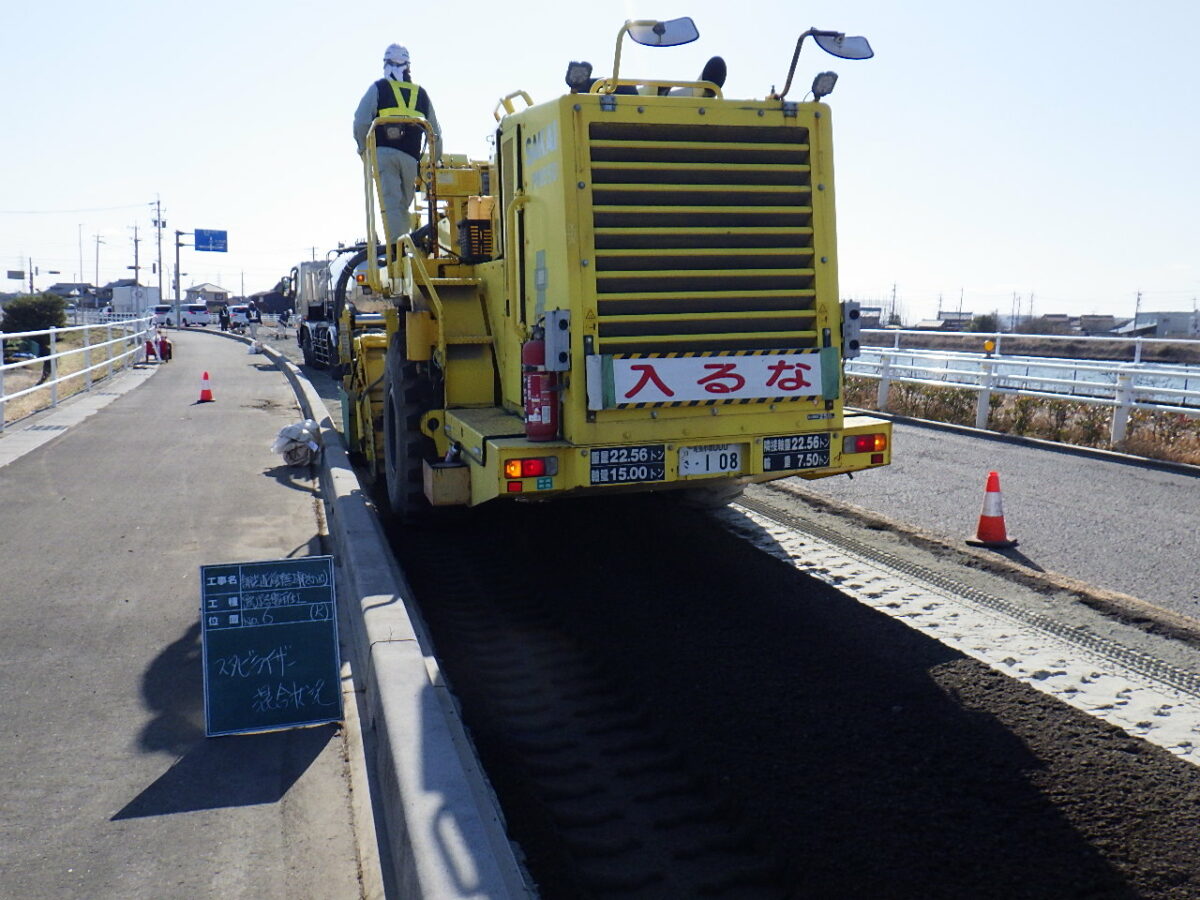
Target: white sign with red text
{"points": [[617, 381]]}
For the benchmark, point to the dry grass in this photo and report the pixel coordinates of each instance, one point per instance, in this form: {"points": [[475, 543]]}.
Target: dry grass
{"points": [[1166, 436], [27, 375]]}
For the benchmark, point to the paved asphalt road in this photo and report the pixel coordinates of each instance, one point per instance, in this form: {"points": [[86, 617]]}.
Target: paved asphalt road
{"points": [[1120, 526], [111, 788]]}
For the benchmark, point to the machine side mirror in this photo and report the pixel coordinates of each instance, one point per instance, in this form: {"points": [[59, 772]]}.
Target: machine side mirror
{"points": [[843, 46], [663, 34], [833, 42]]}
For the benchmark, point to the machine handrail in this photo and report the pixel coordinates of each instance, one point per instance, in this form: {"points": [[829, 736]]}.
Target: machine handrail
{"points": [[371, 179]]}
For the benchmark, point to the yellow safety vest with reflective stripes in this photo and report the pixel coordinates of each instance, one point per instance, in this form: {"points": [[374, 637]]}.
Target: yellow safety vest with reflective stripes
{"points": [[406, 98]]}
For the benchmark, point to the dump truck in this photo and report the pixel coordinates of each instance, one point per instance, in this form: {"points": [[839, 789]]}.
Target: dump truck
{"points": [[307, 288], [638, 292]]}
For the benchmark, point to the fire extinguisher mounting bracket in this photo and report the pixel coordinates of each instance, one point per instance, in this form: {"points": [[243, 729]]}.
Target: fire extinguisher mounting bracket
{"points": [[558, 340]]}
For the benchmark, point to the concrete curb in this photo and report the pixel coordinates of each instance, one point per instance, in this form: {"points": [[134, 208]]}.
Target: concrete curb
{"points": [[444, 830]]}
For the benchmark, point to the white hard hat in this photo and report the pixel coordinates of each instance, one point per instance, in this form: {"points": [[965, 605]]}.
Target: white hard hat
{"points": [[395, 55]]}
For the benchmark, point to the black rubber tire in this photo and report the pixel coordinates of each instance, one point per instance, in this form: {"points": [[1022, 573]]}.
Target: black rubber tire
{"points": [[408, 395], [306, 348]]}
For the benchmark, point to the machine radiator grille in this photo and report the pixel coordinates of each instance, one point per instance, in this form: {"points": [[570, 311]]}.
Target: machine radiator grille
{"points": [[703, 238]]}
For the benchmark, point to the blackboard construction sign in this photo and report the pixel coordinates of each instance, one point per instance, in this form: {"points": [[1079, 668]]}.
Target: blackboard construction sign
{"points": [[270, 647]]}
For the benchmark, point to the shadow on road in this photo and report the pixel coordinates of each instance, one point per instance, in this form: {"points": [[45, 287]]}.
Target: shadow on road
{"points": [[240, 770], [295, 477]]}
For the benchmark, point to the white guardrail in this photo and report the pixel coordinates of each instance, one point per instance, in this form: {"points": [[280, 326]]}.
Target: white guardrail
{"points": [[1123, 386], [101, 348]]}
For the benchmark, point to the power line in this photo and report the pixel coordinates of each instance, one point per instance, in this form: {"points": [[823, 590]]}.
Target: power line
{"points": [[54, 212]]}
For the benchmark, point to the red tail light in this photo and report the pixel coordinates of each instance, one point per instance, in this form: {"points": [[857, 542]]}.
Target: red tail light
{"points": [[534, 467], [864, 443]]}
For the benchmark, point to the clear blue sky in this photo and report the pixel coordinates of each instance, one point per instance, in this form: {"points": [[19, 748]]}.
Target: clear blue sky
{"points": [[1028, 148]]}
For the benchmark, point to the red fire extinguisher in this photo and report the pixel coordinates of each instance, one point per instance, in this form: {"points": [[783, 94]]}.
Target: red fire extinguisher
{"points": [[541, 390]]}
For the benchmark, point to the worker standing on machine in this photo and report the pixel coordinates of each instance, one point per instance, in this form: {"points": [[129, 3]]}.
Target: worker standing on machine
{"points": [[399, 146]]}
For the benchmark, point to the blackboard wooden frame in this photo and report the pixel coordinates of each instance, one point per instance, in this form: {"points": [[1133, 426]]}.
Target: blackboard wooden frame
{"points": [[269, 643]]}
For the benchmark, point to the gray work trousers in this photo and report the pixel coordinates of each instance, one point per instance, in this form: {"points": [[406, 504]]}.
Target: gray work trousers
{"points": [[397, 180]]}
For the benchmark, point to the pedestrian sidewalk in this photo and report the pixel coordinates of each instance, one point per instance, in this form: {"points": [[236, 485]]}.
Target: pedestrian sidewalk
{"points": [[28, 434], [114, 790]]}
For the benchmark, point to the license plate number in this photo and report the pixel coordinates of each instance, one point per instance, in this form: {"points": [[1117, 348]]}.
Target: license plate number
{"points": [[711, 459], [796, 451], [628, 465]]}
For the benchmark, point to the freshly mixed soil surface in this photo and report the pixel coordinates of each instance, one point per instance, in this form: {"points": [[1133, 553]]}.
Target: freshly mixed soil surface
{"points": [[863, 759]]}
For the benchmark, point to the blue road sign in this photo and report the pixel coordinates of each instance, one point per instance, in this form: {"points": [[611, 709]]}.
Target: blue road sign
{"points": [[207, 239]]}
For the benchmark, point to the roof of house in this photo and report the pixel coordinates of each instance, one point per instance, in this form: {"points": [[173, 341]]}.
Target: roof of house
{"points": [[207, 288]]}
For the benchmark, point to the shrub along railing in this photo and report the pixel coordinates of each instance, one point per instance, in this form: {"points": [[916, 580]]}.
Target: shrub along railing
{"points": [[1144, 408]]}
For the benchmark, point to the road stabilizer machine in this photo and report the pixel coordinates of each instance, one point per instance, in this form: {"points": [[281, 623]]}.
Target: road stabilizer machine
{"points": [[638, 293]]}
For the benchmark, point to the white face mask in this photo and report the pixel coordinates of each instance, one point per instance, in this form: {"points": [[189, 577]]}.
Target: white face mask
{"points": [[396, 72]]}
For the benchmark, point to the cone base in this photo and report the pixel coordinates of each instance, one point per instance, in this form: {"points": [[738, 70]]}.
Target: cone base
{"points": [[995, 545]]}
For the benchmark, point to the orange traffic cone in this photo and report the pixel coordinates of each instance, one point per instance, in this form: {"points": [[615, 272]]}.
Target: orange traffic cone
{"points": [[205, 392], [991, 531]]}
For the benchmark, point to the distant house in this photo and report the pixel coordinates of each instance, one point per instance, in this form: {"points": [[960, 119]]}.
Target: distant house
{"points": [[870, 316], [74, 292], [1097, 324], [271, 302], [1170, 324], [207, 293], [954, 320]]}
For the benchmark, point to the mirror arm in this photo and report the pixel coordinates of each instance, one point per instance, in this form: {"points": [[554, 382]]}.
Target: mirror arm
{"points": [[795, 58], [787, 85], [616, 69]]}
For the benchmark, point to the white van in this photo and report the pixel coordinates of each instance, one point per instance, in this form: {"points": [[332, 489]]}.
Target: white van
{"points": [[160, 314], [239, 315], [194, 314]]}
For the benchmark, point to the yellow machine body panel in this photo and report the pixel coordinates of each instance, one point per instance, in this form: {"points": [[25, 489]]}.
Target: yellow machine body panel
{"points": [[678, 255]]}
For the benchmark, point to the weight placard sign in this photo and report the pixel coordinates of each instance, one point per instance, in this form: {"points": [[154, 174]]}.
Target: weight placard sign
{"points": [[270, 647]]}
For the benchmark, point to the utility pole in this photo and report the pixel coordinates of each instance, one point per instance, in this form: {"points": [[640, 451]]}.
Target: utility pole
{"points": [[31, 276], [81, 276], [99, 241], [136, 268], [1137, 309], [178, 243], [159, 225]]}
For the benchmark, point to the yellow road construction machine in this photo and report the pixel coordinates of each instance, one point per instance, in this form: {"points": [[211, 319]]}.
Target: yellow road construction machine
{"points": [[638, 293]]}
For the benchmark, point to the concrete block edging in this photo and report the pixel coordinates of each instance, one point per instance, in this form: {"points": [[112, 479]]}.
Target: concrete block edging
{"points": [[445, 833]]}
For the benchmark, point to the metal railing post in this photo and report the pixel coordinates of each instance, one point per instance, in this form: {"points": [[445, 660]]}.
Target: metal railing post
{"points": [[1124, 398], [87, 357], [53, 368], [108, 349], [1, 389], [885, 381], [1137, 350], [983, 403]]}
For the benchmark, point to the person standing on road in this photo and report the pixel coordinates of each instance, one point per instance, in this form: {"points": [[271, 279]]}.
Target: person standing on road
{"points": [[223, 317], [254, 319], [399, 146]]}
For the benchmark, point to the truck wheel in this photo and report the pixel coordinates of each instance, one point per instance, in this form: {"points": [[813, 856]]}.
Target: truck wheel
{"points": [[306, 348], [407, 396]]}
